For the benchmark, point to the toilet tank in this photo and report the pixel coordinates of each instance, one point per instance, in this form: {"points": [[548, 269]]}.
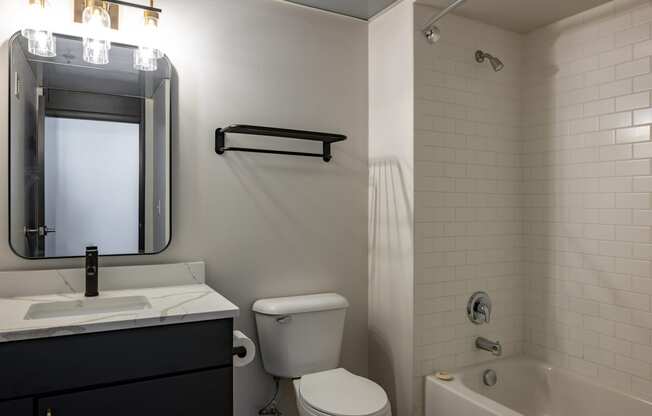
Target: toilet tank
{"points": [[300, 335]]}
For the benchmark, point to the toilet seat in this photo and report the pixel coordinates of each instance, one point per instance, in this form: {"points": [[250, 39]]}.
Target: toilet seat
{"points": [[341, 393]]}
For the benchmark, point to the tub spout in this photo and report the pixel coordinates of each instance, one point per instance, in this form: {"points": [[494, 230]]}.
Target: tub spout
{"points": [[493, 347]]}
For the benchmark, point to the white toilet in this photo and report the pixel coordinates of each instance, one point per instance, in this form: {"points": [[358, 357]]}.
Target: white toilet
{"points": [[300, 338]]}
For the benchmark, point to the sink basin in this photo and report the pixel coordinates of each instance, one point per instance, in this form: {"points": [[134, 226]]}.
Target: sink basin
{"points": [[87, 306]]}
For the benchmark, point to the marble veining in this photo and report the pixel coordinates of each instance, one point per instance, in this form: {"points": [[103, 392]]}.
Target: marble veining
{"points": [[43, 282], [184, 298]]}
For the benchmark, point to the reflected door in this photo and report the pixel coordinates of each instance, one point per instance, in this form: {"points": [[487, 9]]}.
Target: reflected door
{"points": [[92, 180]]}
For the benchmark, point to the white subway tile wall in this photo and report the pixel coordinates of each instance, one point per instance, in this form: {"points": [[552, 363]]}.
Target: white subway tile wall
{"points": [[535, 185], [586, 95], [468, 187]]}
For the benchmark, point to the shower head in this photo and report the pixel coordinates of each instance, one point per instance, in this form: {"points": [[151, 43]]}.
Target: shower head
{"points": [[496, 63], [432, 34]]}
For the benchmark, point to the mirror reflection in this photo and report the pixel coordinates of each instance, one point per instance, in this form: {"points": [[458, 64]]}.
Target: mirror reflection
{"points": [[89, 153]]}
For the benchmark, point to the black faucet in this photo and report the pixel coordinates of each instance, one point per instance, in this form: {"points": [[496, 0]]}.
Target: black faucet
{"points": [[91, 272]]}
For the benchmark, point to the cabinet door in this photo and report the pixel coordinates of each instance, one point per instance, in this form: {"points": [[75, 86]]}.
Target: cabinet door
{"points": [[23, 407], [109, 358], [196, 394]]}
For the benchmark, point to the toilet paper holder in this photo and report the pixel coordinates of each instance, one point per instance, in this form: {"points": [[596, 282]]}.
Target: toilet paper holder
{"points": [[243, 350], [240, 351]]}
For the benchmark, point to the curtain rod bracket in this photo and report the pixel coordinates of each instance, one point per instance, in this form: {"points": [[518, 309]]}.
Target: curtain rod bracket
{"points": [[428, 28]]}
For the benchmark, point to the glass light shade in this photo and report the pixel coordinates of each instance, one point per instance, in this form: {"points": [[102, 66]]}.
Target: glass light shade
{"points": [[148, 53], [40, 40], [145, 59], [97, 24], [96, 51]]}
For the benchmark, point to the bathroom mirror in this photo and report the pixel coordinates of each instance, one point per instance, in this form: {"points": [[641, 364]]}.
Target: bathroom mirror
{"points": [[89, 153]]}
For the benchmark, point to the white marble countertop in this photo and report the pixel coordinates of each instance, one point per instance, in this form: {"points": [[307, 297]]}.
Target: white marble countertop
{"points": [[191, 301]]}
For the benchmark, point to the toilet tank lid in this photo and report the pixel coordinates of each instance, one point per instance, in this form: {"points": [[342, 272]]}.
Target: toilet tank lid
{"points": [[300, 304]]}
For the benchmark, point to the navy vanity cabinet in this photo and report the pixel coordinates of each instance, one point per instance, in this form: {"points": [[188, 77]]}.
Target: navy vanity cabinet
{"points": [[181, 369], [201, 393]]}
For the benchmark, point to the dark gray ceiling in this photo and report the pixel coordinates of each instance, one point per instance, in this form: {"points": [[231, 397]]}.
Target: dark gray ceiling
{"points": [[521, 16], [362, 9]]}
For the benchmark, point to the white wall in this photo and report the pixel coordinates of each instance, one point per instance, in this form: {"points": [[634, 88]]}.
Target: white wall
{"points": [[587, 85], [265, 225], [468, 226], [391, 204]]}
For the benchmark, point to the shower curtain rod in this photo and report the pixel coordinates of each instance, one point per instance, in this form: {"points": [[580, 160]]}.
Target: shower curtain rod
{"points": [[443, 13]]}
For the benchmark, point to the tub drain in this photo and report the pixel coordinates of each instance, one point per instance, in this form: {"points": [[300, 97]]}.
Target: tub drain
{"points": [[489, 378]]}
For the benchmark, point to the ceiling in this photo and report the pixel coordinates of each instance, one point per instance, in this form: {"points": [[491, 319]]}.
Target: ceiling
{"points": [[362, 9], [520, 16]]}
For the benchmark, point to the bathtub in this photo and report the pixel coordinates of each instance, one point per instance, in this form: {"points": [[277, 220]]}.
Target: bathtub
{"points": [[527, 387]]}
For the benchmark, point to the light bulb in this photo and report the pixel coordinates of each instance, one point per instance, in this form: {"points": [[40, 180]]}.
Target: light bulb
{"points": [[148, 53], [40, 40], [97, 23]]}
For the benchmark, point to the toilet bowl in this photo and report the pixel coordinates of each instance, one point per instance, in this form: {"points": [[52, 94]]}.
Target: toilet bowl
{"points": [[340, 393]]}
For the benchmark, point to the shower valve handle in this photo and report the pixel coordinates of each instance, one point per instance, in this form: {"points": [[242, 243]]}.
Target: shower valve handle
{"points": [[479, 308]]}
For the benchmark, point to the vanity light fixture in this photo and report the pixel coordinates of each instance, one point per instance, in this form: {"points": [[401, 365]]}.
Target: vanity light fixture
{"points": [[98, 17], [37, 31], [97, 23], [148, 53]]}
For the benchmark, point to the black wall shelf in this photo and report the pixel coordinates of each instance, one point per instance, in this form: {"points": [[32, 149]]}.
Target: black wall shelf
{"points": [[325, 138]]}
